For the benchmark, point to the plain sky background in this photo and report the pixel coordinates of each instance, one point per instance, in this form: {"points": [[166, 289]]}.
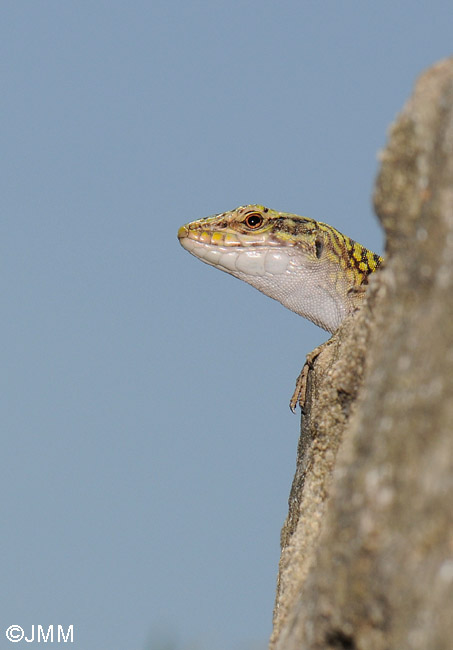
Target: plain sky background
{"points": [[148, 448]]}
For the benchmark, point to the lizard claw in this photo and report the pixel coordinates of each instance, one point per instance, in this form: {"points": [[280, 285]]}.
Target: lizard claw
{"points": [[300, 392]]}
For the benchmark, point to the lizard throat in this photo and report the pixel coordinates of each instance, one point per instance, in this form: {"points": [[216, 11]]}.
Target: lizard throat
{"points": [[284, 273]]}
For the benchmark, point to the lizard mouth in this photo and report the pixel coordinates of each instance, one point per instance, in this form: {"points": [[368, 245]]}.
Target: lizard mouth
{"points": [[228, 253], [228, 238]]}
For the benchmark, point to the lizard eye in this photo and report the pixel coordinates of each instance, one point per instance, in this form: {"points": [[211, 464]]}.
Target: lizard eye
{"points": [[254, 220]]}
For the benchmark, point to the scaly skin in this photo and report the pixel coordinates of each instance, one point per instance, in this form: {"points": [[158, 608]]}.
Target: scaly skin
{"points": [[307, 265]]}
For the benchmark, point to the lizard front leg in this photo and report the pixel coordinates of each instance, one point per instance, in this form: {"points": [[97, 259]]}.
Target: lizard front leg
{"points": [[300, 392]]}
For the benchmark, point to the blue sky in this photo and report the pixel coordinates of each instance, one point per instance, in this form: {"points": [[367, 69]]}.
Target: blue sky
{"points": [[147, 441]]}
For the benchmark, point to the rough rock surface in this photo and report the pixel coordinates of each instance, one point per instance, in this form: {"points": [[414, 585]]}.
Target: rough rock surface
{"points": [[367, 548]]}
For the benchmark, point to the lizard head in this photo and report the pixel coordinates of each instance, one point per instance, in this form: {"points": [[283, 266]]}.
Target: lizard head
{"points": [[249, 227], [304, 264]]}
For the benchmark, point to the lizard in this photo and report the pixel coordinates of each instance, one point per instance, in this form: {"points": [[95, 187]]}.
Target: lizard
{"points": [[308, 266]]}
